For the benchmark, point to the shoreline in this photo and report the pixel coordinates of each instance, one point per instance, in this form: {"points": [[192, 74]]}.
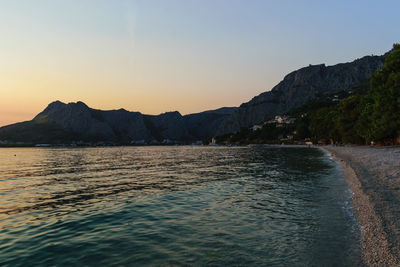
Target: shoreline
{"points": [[377, 246]]}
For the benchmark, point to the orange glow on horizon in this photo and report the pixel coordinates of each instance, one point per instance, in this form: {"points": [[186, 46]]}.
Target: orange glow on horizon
{"points": [[159, 56]]}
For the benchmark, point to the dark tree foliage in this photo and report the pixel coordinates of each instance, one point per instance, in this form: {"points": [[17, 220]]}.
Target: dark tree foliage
{"points": [[323, 125], [372, 113], [385, 93], [348, 114], [311, 106], [364, 121], [302, 127], [240, 136]]}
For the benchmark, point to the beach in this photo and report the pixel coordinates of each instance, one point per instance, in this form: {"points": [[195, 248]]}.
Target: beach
{"points": [[374, 177]]}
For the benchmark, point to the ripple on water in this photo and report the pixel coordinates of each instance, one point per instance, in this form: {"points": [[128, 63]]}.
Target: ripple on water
{"points": [[174, 205]]}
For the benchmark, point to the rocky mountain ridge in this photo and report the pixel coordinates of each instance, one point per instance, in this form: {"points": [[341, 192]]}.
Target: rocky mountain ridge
{"points": [[299, 87], [61, 122]]}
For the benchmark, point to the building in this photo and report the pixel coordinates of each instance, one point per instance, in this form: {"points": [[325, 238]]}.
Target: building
{"points": [[256, 127], [284, 120], [213, 141]]}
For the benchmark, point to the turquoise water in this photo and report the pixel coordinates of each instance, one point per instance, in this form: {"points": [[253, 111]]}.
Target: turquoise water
{"points": [[243, 206]]}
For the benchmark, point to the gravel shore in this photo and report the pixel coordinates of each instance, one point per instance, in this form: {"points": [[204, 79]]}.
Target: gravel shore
{"points": [[374, 177]]}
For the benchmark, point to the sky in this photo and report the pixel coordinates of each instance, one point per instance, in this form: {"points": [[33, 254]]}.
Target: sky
{"points": [[186, 55]]}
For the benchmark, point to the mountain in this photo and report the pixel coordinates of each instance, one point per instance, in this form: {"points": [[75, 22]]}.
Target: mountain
{"points": [[299, 87], [61, 122], [205, 124]]}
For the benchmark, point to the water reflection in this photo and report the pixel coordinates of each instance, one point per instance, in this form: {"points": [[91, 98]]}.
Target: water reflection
{"points": [[174, 205]]}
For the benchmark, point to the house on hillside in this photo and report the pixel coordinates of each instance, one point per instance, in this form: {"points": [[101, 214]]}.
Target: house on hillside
{"points": [[281, 121], [284, 120], [256, 127]]}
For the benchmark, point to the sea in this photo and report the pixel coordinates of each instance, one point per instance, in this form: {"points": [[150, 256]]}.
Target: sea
{"points": [[175, 206]]}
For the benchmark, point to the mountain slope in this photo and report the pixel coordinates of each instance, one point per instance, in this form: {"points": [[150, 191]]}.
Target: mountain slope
{"points": [[299, 87], [61, 122]]}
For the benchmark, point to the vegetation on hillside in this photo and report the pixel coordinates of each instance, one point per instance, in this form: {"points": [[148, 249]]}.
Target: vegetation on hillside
{"points": [[370, 114]]}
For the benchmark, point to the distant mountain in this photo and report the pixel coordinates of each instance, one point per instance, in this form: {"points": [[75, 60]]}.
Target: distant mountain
{"points": [[60, 122]]}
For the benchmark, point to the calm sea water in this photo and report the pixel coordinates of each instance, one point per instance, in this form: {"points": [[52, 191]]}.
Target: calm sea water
{"points": [[269, 206]]}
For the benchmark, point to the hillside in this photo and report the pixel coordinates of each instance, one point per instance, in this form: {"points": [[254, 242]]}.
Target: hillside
{"points": [[368, 114], [299, 87], [61, 122]]}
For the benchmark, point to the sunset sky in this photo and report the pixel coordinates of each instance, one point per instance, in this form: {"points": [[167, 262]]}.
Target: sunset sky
{"points": [[186, 55]]}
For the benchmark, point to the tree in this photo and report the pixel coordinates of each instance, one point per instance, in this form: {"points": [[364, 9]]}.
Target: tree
{"points": [[323, 124], [348, 114], [364, 123], [302, 127], [385, 92]]}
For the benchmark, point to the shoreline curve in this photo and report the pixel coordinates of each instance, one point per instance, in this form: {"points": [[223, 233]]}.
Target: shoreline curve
{"points": [[377, 246]]}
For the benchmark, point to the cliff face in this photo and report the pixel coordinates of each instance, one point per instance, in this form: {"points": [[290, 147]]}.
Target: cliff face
{"points": [[169, 125], [205, 124], [76, 118], [61, 122], [299, 87], [114, 125]]}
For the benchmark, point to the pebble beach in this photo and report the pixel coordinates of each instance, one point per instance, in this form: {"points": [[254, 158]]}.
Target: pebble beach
{"points": [[374, 177]]}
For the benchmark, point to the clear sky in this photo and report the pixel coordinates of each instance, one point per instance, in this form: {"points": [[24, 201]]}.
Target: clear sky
{"points": [[186, 55]]}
